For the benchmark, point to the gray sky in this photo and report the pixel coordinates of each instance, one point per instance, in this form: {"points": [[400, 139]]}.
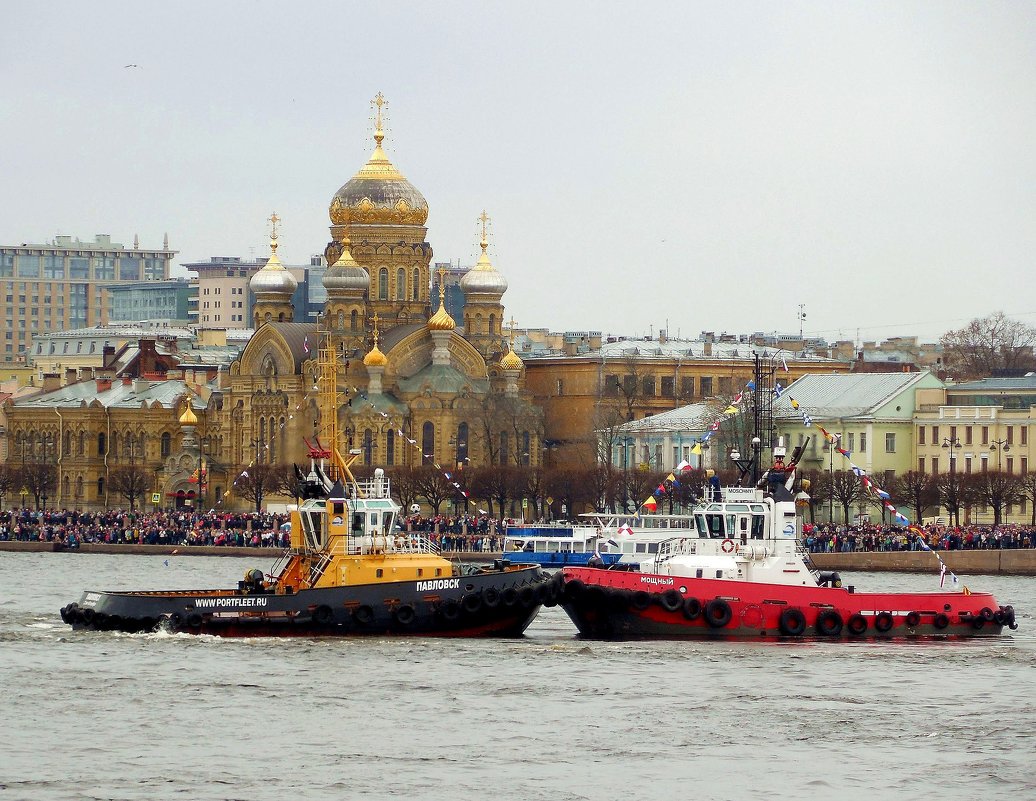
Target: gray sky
{"points": [[708, 166]]}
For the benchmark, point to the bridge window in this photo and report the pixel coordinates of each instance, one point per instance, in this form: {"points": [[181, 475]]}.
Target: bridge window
{"points": [[715, 524]]}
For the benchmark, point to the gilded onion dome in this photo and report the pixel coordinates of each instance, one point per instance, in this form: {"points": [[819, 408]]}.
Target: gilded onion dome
{"points": [[188, 418], [378, 193], [273, 278], [441, 320], [511, 361], [346, 274], [375, 358], [483, 278]]}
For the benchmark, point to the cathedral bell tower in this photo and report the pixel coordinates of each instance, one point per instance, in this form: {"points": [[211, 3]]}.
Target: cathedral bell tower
{"points": [[483, 287]]}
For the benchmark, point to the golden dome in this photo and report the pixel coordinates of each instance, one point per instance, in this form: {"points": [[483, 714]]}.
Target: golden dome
{"points": [[511, 361], [375, 358], [441, 320], [188, 418], [378, 194]]}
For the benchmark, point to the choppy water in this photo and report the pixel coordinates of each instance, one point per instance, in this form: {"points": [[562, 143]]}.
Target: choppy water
{"points": [[110, 716]]}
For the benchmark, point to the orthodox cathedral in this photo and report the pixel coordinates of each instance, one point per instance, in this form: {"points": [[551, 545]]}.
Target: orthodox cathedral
{"points": [[414, 385]]}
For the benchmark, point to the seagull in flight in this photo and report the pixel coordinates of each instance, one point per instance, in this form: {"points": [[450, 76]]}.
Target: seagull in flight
{"points": [[133, 65]]}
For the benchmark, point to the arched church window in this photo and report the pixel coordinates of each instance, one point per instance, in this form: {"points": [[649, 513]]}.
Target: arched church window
{"points": [[526, 453], [82, 443], [354, 320], [492, 324], [368, 446], [416, 284], [260, 456], [478, 323], [66, 487], [390, 448], [102, 444], [167, 444], [400, 284], [383, 283], [428, 443], [341, 321], [462, 444], [79, 487], [66, 444], [100, 487]]}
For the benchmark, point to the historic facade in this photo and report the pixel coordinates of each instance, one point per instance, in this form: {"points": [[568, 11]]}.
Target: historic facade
{"points": [[412, 385]]}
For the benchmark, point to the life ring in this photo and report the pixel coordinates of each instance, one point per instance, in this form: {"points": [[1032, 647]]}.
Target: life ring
{"points": [[792, 622], [857, 624], [940, 621], [450, 610], [641, 600], [491, 597], [509, 597], [728, 546], [718, 613], [829, 623], [363, 615], [471, 603], [691, 608], [883, 622], [405, 615], [194, 620], [322, 615], [671, 600]]}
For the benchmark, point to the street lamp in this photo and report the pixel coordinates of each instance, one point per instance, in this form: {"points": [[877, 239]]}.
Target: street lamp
{"points": [[1001, 446], [951, 444]]}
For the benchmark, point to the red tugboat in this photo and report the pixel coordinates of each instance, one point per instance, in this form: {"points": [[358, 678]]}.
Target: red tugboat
{"points": [[740, 572]]}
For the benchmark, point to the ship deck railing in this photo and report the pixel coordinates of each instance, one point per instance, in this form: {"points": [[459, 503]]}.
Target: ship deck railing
{"points": [[677, 546]]}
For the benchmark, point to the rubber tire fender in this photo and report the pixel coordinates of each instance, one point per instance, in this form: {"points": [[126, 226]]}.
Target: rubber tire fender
{"points": [[509, 597], [404, 615], [323, 615], [364, 615], [718, 613], [692, 608], [913, 619], [986, 613], [829, 623], [641, 600], [883, 622], [857, 624], [471, 603], [941, 621], [792, 622], [573, 589], [491, 597], [671, 600], [527, 595], [194, 620]]}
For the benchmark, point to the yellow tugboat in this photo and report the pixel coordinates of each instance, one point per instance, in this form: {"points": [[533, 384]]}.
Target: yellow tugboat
{"points": [[349, 571]]}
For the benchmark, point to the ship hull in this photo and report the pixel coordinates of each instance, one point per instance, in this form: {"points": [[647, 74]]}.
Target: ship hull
{"points": [[617, 606], [490, 604]]}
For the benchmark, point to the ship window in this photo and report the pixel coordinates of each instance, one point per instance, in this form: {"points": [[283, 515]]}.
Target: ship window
{"points": [[719, 574], [700, 522], [652, 547], [438, 571], [338, 508], [420, 572], [698, 573], [379, 573], [358, 522], [715, 526], [374, 519], [758, 526]]}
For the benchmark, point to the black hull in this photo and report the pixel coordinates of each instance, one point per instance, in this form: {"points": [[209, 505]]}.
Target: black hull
{"points": [[490, 604]]}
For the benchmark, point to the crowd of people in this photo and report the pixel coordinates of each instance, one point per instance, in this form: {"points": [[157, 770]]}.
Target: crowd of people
{"points": [[456, 533], [828, 538]]}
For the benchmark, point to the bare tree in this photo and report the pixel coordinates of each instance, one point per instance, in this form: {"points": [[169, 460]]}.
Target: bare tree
{"points": [[988, 346], [955, 492], [1028, 486], [919, 489], [433, 486], [499, 483], [131, 481], [254, 483], [819, 491], [7, 480], [39, 478], [501, 424], [404, 485], [998, 490], [847, 490]]}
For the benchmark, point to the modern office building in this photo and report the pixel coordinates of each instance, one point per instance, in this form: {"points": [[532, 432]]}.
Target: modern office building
{"points": [[62, 284], [224, 299], [148, 300]]}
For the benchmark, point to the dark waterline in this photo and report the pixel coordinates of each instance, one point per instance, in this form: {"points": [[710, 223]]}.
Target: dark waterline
{"points": [[107, 716]]}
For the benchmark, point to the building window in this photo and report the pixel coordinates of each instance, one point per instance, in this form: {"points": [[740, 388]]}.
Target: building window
{"points": [[526, 454], [1010, 435], [100, 487], [1024, 464], [400, 284], [967, 464], [935, 435], [428, 443], [383, 284], [852, 441], [967, 435], [935, 465], [705, 387], [668, 386], [166, 444], [687, 387], [102, 444], [920, 464], [863, 441], [920, 436], [462, 443], [649, 386], [611, 385], [560, 387], [1010, 465], [985, 435], [629, 385], [390, 447], [890, 442], [416, 285], [1024, 431], [28, 266]]}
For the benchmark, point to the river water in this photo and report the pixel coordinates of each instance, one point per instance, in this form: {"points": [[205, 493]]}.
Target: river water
{"points": [[110, 716]]}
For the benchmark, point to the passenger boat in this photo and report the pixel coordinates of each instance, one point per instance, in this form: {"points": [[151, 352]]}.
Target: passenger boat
{"points": [[556, 544], [349, 571], [741, 572]]}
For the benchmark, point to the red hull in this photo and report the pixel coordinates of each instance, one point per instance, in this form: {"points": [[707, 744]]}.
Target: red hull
{"points": [[607, 604]]}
